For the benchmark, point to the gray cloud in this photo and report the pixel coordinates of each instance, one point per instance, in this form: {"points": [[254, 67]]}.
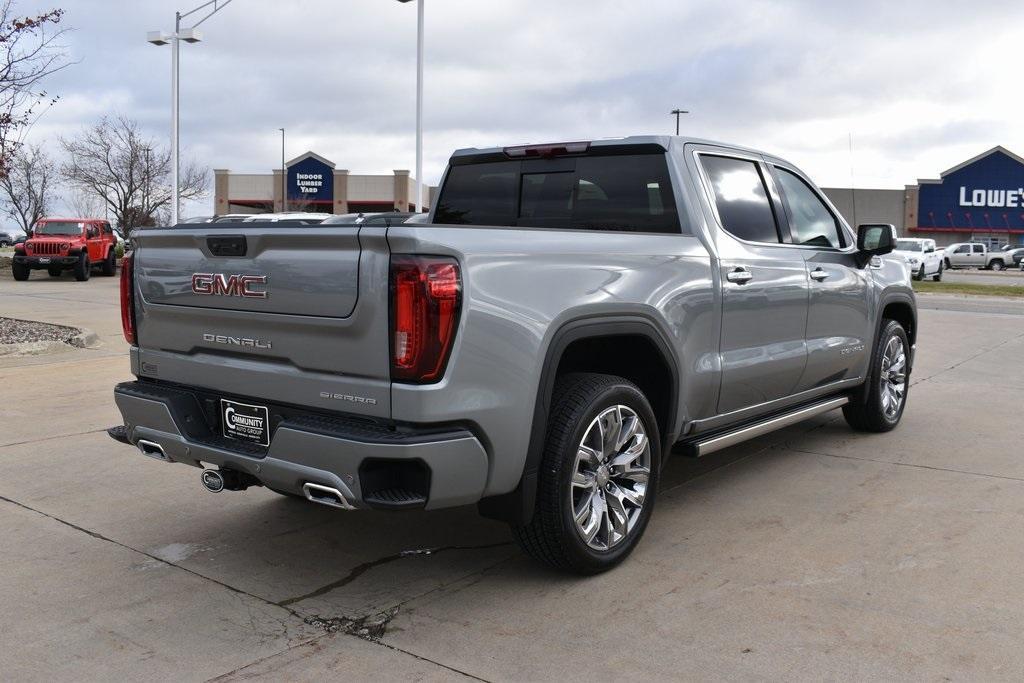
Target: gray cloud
{"points": [[920, 85]]}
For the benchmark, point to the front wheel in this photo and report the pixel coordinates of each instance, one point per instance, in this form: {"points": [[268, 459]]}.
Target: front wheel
{"points": [[83, 269], [919, 275], [598, 475], [879, 404], [20, 271], [54, 271]]}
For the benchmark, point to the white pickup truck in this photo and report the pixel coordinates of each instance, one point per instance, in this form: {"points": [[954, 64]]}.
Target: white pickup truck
{"points": [[922, 257], [976, 255]]}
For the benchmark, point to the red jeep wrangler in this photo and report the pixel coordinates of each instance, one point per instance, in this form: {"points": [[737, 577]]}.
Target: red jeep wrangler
{"points": [[59, 244]]}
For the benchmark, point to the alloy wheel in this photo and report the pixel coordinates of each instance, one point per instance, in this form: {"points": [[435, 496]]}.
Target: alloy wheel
{"points": [[610, 476], [893, 380]]}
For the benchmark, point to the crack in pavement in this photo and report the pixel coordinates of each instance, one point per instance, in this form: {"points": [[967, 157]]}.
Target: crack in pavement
{"points": [[361, 569], [907, 464], [51, 438], [369, 627]]}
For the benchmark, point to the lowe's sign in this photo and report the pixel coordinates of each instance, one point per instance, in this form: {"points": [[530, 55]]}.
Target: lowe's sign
{"points": [[310, 180], [995, 199], [985, 193]]}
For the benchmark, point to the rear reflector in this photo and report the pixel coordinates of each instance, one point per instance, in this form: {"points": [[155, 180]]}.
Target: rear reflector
{"points": [[552, 150], [128, 299], [426, 293]]}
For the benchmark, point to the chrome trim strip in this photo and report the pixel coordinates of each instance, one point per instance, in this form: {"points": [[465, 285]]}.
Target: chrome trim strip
{"points": [[739, 436]]}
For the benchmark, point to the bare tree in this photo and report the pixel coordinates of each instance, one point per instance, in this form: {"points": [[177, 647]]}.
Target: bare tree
{"points": [[85, 204], [26, 190], [129, 172], [29, 52]]}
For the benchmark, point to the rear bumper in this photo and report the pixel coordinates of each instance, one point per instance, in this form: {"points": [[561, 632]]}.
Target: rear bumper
{"points": [[371, 464]]}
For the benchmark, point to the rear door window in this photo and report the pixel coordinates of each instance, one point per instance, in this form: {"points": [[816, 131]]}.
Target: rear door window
{"points": [[741, 198], [631, 193]]}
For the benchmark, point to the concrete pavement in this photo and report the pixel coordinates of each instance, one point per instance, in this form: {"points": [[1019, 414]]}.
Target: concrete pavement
{"points": [[811, 553]]}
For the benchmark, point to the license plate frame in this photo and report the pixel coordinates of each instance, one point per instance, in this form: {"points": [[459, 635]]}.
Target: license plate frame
{"points": [[44, 260], [246, 422]]}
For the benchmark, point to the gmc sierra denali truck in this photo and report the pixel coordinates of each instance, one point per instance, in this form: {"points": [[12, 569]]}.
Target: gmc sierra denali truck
{"points": [[566, 316]]}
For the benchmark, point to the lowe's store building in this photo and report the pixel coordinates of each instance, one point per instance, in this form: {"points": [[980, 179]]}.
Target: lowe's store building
{"points": [[312, 183], [979, 200]]}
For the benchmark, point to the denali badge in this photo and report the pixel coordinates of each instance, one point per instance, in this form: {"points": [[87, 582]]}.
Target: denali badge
{"points": [[229, 285], [251, 342]]}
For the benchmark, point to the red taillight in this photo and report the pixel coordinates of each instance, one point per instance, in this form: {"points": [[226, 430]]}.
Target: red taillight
{"points": [[128, 299], [552, 150], [426, 293]]}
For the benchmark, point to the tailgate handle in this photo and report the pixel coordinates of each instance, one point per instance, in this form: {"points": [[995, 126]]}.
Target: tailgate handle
{"points": [[226, 245]]}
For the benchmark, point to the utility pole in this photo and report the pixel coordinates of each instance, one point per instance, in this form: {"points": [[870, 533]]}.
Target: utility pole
{"points": [[284, 177], [677, 113]]}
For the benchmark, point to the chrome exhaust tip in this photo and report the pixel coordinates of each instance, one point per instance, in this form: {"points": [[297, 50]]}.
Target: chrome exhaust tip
{"points": [[325, 495], [152, 449]]}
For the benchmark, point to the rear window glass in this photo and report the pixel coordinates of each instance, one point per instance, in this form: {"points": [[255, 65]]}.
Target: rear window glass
{"points": [[741, 198], [630, 193]]}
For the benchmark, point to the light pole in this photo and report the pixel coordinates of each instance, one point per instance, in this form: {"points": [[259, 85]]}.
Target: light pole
{"points": [[189, 35], [677, 112], [284, 177], [419, 103]]}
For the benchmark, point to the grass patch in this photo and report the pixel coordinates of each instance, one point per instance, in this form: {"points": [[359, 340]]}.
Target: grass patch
{"points": [[928, 287]]}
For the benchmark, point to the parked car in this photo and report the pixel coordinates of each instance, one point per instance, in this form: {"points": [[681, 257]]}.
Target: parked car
{"points": [[288, 218], [572, 313], [975, 255], [7, 239], [922, 258], [59, 244], [386, 219]]}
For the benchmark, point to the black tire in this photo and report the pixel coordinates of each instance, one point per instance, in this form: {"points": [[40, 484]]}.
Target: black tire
{"points": [[20, 271], [551, 536], [110, 264], [83, 269], [948, 267], [938, 276], [919, 275], [55, 271], [4, 244], [996, 265], [866, 412]]}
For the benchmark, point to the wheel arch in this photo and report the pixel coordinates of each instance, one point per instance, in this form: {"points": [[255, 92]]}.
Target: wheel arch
{"points": [[584, 344]]}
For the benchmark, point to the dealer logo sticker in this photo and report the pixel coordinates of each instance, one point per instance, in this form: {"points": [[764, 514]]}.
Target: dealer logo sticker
{"points": [[245, 422]]}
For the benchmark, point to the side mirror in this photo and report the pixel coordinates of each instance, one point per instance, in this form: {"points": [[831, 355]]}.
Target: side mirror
{"points": [[876, 239], [930, 250]]}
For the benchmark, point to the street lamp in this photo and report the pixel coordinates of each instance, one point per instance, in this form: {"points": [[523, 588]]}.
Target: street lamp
{"points": [[189, 35], [419, 103], [677, 112]]}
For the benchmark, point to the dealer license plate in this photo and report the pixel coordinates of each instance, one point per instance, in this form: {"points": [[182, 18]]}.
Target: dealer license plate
{"points": [[245, 422]]}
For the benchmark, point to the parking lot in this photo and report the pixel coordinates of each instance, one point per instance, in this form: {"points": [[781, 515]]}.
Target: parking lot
{"points": [[811, 553]]}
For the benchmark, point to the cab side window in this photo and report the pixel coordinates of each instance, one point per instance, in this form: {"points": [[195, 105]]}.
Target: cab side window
{"points": [[106, 229], [963, 249], [810, 220], [978, 249], [741, 198]]}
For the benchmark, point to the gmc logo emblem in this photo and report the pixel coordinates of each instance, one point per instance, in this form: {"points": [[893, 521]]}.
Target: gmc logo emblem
{"points": [[218, 284]]}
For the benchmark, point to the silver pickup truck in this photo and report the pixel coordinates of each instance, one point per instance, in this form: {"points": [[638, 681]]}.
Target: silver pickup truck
{"points": [[567, 316]]}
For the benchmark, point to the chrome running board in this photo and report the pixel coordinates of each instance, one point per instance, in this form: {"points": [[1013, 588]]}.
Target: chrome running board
{"points": [[719, 440]]}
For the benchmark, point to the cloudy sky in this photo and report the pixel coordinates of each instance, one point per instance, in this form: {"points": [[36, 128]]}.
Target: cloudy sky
{"points": [[920, 85]]}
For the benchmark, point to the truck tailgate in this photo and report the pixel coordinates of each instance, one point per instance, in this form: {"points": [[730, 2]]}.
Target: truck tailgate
{"points": [[299, 313]]}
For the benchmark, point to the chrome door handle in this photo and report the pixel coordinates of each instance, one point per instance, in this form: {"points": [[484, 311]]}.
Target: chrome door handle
{"points": [[819, 274], [740, 276]]}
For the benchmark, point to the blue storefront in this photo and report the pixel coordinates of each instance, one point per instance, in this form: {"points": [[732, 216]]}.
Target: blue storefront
{"points": [[981, 199], [311, 183]]}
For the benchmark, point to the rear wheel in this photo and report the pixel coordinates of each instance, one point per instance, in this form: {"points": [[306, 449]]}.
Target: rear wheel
{"points": [[20, 271], [598, 477], [879, 405], [83, 268], [996, 265], [110, 263]]}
